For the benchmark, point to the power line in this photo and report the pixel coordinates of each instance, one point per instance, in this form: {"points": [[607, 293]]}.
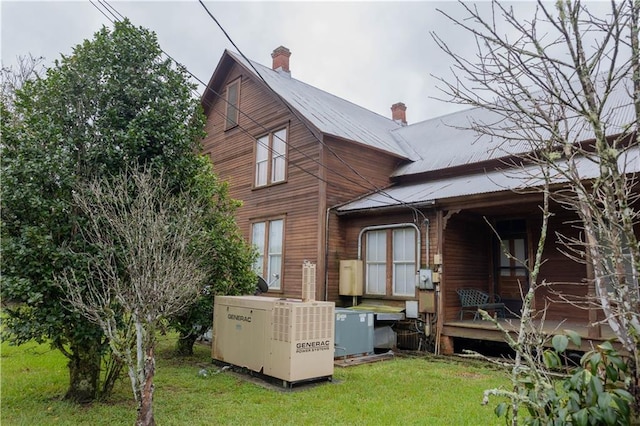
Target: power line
{"points": [[304, 123], [113, 13], [115, 18], [372, 188]]}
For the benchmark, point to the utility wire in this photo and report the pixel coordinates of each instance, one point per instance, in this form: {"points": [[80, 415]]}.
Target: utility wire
{"points": [[115, 18], [223, 98], [372, 188], [376, 189], [113, 13], [112, 10], [103, 12]]}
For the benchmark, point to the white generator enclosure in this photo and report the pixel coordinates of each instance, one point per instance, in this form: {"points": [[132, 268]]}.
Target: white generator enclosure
{"points": [[286, 339]]}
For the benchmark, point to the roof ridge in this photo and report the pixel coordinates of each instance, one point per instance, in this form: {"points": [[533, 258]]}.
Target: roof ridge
{"points": [[330, 113], [266, 68]]}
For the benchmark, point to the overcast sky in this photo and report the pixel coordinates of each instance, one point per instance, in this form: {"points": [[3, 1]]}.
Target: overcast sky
{"points": [[371, 53]]}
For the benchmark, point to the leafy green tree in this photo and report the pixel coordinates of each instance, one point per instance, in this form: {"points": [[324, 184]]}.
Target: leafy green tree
{"points": [[228, 269], [114, 104]]}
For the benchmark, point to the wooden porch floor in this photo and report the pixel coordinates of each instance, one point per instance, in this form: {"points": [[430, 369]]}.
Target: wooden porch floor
{"points": [[485, 330]]}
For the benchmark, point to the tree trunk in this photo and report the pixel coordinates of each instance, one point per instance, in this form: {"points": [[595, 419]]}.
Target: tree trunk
{"points": [[113, 369], [145, 411], [84, 372], [184, 346]]}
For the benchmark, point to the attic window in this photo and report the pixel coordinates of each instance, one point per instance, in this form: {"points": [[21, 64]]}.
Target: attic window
{"points": [[233, 109]]}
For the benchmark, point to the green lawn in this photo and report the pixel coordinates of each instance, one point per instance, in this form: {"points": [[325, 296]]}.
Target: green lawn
{"points": [[405, 390]]}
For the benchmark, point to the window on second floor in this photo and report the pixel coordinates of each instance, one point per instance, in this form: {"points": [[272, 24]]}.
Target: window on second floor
{"points": [[391, 262], [232, 102], [271, 158], [267, 237]]}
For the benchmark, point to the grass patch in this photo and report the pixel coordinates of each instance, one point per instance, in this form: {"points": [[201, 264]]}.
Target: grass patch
{"points": [[412, 390]]}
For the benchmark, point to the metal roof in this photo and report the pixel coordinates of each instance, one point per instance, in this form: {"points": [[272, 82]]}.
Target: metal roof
{"points": [[330, 114], [448, 141], [480, 183], [431, 145], [439, 143]]}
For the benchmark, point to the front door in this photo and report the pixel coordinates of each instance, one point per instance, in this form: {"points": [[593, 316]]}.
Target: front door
{"points": [[511, 259]]}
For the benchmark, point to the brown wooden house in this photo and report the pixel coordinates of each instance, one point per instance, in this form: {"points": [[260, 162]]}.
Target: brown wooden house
{"points": [[361, 195]]}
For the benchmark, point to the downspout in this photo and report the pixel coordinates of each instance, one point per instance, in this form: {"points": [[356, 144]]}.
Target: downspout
{"points": [[432, 319], [426, 248], [326, 254]]}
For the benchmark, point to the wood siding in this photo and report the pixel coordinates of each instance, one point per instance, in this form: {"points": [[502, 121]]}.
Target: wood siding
{"points": [[351, 170], [469, 254], [296, 200], [466, 260], [567, 278], [320, 174], [352, 226]]}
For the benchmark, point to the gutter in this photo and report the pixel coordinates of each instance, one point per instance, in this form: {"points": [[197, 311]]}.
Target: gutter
{"points": [[417, 205]]}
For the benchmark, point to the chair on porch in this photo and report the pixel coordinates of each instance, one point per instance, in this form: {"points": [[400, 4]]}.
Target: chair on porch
{"points": [[472, 299]]}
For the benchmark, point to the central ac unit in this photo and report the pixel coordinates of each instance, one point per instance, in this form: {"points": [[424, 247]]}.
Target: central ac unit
{"points": [[286, 339]]}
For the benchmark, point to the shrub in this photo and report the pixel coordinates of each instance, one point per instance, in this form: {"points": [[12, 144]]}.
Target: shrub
{"points": [[592, 393]]}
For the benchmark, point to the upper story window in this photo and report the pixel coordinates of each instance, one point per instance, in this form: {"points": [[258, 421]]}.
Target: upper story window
{"points": [[391, 262], [267, 237], [233, 104], [271, 158]]}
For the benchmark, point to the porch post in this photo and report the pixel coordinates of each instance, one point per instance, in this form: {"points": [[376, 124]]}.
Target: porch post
{"points": [[443, 344], [594, 330]]}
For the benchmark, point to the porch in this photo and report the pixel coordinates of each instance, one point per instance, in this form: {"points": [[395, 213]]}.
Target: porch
{"points": [[485, 330]]}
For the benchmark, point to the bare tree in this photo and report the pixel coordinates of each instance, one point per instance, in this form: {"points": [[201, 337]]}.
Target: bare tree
{"points": [[563, 90], [528, 343], [144, 268], [13, 78]]}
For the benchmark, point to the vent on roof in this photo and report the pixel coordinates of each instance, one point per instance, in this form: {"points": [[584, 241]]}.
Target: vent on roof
{"points": [[281, 59], [399, 113]]}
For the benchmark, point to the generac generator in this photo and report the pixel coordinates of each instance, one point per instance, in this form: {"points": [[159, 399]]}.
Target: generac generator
{"points": [[288, 339]]}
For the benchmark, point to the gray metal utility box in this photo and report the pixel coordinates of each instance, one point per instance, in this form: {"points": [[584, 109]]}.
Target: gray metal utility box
{"points": [[354, 333]]}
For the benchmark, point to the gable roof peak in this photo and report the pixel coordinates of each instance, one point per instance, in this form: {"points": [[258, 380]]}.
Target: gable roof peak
{"points": [[328, 113]]}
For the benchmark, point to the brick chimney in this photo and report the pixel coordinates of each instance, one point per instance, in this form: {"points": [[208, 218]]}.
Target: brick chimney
{"points": [[281, 59], [399, 113]]}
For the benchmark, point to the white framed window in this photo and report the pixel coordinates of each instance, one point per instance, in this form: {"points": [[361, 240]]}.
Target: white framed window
{"points": [[376, 261], [233, 104], [622, 270], [278, 155], [262, 161], [391, 262], [271, 158], [404, 262], [268, 239], [511, 266]]}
